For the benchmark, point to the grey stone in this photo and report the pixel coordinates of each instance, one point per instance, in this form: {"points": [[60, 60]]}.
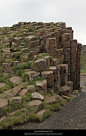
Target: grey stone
{"points": [[36, 95], [16, 79], [3, 103], [16, 100]]}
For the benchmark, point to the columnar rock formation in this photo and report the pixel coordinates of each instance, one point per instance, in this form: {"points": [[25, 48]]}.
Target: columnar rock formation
{"points": [[38, 59]]}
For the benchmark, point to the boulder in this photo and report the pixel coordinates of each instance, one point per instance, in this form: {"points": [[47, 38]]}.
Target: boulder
{"points": [[16, 100], [37, 96], [36, 103], [3, 104], [16, 79]]}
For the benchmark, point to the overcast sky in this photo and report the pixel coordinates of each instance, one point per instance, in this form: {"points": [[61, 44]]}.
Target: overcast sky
{"points": [[73, 12]]}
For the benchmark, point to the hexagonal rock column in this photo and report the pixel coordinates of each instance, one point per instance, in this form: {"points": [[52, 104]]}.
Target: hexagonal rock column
{"points": [[36, 95], [65, 90], [49, 76], [34, 43], [51, 46], [36, 103], [30, 38], [43, 86], [7, 67], [3, 103], [64, 74], [33, 74], [47, 60], [16, 79], [40, 64]]}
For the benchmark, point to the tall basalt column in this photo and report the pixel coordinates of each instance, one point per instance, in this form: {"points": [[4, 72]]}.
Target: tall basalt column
{"points": [[73, 51], [79, 46]]}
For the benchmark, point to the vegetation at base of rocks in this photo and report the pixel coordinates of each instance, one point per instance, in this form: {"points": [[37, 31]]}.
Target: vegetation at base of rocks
{"points": [[25, 77], [46, 114], [10, 121], [50, 92], [22, 66]]}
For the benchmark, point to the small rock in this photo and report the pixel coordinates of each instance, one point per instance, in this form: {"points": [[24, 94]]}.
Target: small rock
{"points": [[16, 100], [37, 96], [42, 85], [16, 79], [66, 97], [36, 103], [41, 112]]}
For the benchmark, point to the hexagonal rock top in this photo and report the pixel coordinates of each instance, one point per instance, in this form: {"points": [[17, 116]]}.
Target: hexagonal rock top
{"points": [[53, 99], [47, 74], [31, 87], [22, 92], [36, 103], [37, 96], [16, 100], [16, 79], [2, 85], [41, 112], [3, 103]]}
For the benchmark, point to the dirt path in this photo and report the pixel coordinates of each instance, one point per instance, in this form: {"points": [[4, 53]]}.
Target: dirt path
{"points": [[72, 116]]}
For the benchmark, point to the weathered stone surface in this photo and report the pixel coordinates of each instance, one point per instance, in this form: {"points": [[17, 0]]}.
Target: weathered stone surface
{"points": [[3, 103], [16, 100], [31, 87], [6, 96], [34, 43], [26, 55], [53, 99], [36, 103], [33, 74], [65, 97], [41, 112], [16, 79], [16, 89], [47, 74], [2, 85], [24, 49], [43, 86], [47, 60], [37, 96], [7, 67], [65, 90], [41, 63], [22, 92]]}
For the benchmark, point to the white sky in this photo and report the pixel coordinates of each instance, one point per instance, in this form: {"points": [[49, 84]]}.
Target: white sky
{"points": [[72, 12]]}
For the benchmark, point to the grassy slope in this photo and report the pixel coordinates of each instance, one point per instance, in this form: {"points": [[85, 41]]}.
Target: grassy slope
{"points": [[83, 61]]}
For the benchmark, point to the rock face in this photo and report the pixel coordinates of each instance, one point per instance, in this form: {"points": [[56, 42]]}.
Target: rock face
{"points": [[16, 100], [3, 103], [37, 96], [36, 103], [16, 79]]}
